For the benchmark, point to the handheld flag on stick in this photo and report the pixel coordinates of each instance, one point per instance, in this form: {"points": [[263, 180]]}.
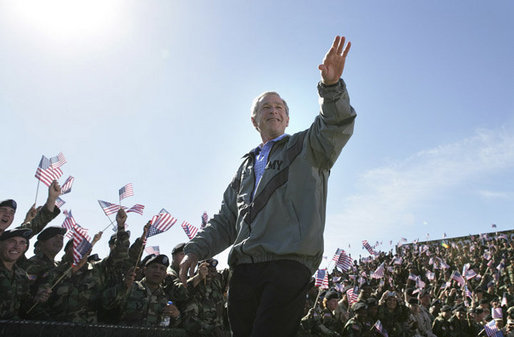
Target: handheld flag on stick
{"points": [[46, 173], [205, 218], [126, 191], [59, 202], [152, 250], [321, 279], [161, 223], [137, 208], [108, 208], [66, 187], [189, 229]]}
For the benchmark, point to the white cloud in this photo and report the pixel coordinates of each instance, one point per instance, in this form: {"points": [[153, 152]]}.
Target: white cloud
{"points": [[389, 195]]}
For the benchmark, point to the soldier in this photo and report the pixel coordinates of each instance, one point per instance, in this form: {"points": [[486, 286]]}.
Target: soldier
{"points": [[355, 326], [441, 327], [144, 303], [205, 310], [331, 325], [41, 265], [172, 283], [14, 283], [458, 323]]}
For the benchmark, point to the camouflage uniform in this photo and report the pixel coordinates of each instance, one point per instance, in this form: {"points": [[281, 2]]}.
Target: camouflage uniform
{"points": [[142, 306], [14, 289], [205, 310], [174, 289], [39, 268], [354, 328], [75, 298], [330, 322], [441, 327]]}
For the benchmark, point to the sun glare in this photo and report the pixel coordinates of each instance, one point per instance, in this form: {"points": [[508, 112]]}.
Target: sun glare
{"points": [[68, 19]]}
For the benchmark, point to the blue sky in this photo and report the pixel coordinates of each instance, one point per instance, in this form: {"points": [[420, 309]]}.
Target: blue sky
{"points": [[158, 93]]}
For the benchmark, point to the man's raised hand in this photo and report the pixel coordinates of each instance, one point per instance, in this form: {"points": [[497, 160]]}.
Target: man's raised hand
{"points": [[333, 63]]}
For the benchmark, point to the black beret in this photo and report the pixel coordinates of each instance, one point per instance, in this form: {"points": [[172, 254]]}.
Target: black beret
{"points": [[331, 294], [68, 244], [50, 232], [161, 259], [178, 248], [359, 306], [94, 258], [9, 203], [22, 232], [446, 308], [413, 300], [372, 302], [459, 308]]}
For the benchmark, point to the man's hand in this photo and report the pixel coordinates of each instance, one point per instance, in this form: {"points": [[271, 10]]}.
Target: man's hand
{"points": [[54, 191], [121, 217], [43, 294], [188, 264], [333, 64], [30, 214]]}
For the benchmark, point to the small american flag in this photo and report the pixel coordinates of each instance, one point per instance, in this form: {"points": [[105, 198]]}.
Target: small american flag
{"points": [[189, 229], [470, 273], [81, 244], [321, 279], [458, 277], [379, 272], [126, 191], [353, 295], [137, 208], [153, 250], [368, 247], [491, 329], [380, 328], [430, 275], [337, 254], [108, 208], [205, 218], [57, 161], [59, 202], [46, 173], [161, 223], [344, 262], [467, 292], [66, 187]]}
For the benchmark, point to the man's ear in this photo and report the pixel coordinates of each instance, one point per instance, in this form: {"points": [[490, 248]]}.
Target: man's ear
{"points": [[254, 122]]}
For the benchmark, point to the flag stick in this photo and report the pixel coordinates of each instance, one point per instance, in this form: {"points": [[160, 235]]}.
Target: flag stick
{"points": [[109, 225], [37, 190], [317, 298]]}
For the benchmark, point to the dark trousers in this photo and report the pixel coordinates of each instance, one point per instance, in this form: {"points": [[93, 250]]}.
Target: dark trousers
{"points": [[267, 299]]}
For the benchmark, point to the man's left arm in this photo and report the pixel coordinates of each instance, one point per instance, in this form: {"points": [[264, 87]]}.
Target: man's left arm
{"points": [[334, 126]]}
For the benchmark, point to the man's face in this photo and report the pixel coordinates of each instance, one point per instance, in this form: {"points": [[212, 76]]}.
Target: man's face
{"points": [[13, 248], [6, 217], [271, 119], [155, 273], [52, 245]]}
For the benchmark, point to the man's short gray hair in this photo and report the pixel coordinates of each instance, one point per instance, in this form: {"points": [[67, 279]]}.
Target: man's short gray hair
{"points": [[257, 100]]}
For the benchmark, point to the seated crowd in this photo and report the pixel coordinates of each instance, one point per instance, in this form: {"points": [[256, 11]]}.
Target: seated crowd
{"points": [[451, 288]]}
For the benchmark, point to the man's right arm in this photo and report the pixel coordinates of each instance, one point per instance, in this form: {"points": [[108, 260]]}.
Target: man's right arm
{"points": [[219, 233]]}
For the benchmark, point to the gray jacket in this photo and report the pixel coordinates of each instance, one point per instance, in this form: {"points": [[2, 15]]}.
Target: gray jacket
{"points": [[286, 218]]}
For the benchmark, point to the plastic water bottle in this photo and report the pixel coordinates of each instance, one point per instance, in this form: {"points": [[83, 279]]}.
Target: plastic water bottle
{"points": [[166, 319]]}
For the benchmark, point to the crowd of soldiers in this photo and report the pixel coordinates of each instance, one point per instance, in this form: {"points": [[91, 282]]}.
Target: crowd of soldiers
{"points": [[439, 288], [418, 291]]}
